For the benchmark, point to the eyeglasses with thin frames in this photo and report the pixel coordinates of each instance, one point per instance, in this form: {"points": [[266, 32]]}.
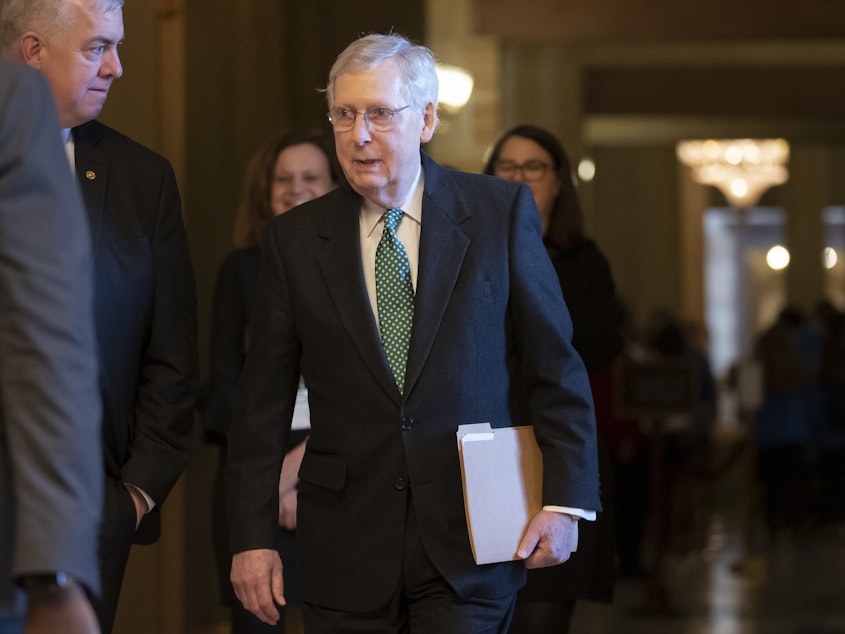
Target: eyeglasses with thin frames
{"points": [[379, 117], [531, 170]]}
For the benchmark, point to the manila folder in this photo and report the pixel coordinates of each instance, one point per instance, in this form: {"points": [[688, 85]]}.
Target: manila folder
{"points": [[502, 472]]}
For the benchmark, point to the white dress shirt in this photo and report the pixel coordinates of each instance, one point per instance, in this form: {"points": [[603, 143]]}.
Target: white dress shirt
{"points": [[408, 231], [67, 138]]}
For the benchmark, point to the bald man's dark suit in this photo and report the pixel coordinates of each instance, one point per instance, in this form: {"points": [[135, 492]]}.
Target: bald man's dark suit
{"points": [[490, 342], [145, 316]]}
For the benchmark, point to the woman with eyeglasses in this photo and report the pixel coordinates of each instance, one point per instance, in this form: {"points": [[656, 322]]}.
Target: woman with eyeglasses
{"points": [[532, 155], [286, 171]]}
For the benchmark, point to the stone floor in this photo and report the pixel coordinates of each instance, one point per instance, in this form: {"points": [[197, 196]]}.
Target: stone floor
{"points": [[798, 587], [732, 582]]}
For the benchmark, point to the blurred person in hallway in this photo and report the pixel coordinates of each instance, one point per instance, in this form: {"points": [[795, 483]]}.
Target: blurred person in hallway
{"points": [[144, 296], [831, 437], [51, 480], [286, 171], [784, 423], [533, 156], [629, 448], [687, 437]]}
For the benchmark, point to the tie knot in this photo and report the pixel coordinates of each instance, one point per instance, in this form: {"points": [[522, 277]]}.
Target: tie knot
{"points": [[392, 218]]}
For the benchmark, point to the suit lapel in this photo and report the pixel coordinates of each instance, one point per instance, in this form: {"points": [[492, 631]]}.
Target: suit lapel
{"points": [[442, 249], [443, 246], [340, 263], [92, 169]]}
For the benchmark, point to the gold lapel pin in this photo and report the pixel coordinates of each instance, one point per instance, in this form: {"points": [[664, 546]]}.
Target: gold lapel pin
{"points": [[90, 175]]}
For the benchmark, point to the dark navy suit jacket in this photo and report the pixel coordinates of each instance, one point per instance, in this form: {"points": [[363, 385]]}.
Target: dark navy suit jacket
{"points": [[145, 312], [490, 342]]}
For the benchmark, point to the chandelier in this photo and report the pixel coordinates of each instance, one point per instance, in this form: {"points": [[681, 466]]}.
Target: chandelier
{"points": [[742, 169]]}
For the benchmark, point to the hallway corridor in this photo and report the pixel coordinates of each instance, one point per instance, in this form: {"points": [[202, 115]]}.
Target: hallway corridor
{"points": [[793, 586]]}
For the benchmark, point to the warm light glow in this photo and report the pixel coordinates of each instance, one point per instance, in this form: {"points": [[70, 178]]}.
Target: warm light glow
{"points": [[777, 257], [829, 257], [455, 87], [586, 170], [739, 187], [742, 169], [733, 155]]}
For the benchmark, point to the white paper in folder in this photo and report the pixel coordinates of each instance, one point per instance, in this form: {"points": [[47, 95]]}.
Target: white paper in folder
{"points": [[502, 471]]}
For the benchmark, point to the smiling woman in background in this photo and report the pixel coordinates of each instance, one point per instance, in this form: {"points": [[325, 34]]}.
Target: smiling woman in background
{"points": [[287, 171]]}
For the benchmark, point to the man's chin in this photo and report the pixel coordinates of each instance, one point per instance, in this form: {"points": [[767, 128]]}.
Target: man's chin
{"points": [[78, 118], [367, 187], [368, 179], [93, 111]]}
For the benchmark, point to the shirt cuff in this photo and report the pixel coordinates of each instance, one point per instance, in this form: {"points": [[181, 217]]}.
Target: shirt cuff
{"points": [[590, 516], [150, 504]]}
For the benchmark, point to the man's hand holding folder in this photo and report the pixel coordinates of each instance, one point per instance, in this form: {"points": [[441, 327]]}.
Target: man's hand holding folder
{"points": [[550, 539], [502, 471]]}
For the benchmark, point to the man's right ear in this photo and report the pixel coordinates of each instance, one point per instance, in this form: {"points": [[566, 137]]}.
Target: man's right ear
{"points": [[32, 47]]}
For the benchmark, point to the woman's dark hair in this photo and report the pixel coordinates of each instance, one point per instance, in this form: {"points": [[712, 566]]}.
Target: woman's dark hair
{"points": [[254, 210], [566, 225]]}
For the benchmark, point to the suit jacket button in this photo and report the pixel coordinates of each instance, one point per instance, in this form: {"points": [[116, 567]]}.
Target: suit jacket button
{"points": [[400, 483], [407, 424]]}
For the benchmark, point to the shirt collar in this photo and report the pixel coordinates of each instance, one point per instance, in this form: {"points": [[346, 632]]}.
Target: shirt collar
{"points": [[371, 213], [67, 141]]}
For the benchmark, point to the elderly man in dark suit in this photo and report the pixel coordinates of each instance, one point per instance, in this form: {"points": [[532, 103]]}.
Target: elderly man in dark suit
{"points": [[51, 482], [412, 301], [145, 304]]}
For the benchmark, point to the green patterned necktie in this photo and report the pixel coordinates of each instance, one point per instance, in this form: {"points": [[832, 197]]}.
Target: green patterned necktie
{"points": [[394, 296]]}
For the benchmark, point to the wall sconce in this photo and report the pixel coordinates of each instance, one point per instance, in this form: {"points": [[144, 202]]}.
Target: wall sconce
{"points": [[455, 87], [777, 257], [586, 170], [742, 169]]}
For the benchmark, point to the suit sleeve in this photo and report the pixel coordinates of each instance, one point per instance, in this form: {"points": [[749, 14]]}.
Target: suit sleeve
{"points": [[168, 379], [228, 349], [51, 416], [556, 388], [264, 404]]}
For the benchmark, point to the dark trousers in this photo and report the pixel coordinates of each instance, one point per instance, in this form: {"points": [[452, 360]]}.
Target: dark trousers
{"points": [[784, 475], [424, 603], [543, 617], [245, 622], [115, 541]]}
